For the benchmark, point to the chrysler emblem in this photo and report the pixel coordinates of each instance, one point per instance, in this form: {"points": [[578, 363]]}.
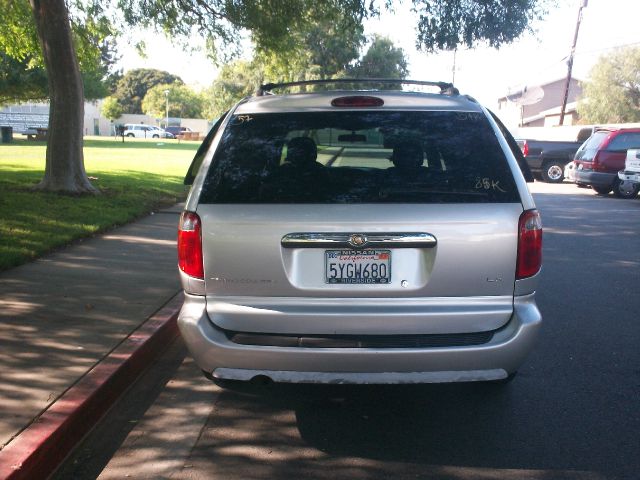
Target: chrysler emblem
{"points": [[357, 240]]}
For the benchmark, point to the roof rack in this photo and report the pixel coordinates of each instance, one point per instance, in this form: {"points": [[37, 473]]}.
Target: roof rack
{"points": [[446, 88]]}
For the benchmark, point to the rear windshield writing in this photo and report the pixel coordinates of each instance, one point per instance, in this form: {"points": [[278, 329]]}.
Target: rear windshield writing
{"points": [[359, 157]]}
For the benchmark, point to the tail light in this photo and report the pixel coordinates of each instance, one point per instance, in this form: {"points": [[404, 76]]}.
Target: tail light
{"points": [[529, 244], [190, 245], [357, 101], [525, 148], [596, 165]]}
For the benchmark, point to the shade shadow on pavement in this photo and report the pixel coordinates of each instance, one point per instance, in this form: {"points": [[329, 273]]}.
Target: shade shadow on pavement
{"points": [[570, 414], [436, 431], [64, 312]]}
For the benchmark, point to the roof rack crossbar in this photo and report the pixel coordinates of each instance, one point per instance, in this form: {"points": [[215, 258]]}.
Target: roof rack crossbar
{"points": [[445, 87]]}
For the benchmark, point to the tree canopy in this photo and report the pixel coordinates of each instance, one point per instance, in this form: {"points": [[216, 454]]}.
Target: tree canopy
{"points": [[134, 85], [236, 80], [111, 109], [328, 34], [382, 60], [447, 24], [612, 92], [82, 27], [183, 102], [19, 80], [241, 78], [22, 71]]}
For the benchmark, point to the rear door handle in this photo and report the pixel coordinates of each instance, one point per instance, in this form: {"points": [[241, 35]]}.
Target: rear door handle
{"points": [[359, 240]]}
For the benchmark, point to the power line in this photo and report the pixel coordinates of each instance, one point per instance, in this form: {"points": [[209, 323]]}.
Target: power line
{"points": [[583, 52]]}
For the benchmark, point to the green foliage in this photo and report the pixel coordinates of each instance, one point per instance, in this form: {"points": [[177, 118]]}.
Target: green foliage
{"points": [[612, 92], [183, 102], [18, 39], [22, 74], [382, 60], [20, 80], [134, 85], [96, 49], [299, 38], [447, 24], [111, 108], [324, 48], [220, 22], [333, 46], [236, 80], [242, 78]]}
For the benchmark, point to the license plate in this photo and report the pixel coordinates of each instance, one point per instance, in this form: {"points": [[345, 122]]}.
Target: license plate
{"points": [[632, 165], [357, 266]]}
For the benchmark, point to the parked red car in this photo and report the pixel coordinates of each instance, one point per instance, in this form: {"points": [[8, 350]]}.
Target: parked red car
{"points": [[602, 156]]}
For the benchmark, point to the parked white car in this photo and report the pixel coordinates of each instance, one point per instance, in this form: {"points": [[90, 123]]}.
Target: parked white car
{"points": [[630, 176], [145, 131], [570, 172]]}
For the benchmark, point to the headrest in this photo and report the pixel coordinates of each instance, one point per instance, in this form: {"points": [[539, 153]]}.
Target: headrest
{"points": [[301, 151], [408, 154]]}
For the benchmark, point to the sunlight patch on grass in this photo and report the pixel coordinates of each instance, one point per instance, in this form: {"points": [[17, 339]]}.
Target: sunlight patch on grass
{"points": [[135, 177]]}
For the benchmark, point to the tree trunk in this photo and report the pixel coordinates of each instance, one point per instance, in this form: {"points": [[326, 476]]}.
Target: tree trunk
{"points": [[64, 171]]}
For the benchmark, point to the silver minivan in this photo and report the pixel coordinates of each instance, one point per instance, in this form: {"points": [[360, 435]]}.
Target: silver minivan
{"points": [[359, 236]]}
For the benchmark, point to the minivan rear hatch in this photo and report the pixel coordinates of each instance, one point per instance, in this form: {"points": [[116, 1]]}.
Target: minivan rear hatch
{"points": [[365, 221]]}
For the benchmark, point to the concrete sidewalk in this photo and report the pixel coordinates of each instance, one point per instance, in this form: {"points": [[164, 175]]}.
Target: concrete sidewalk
{"points": [[61, 315]]}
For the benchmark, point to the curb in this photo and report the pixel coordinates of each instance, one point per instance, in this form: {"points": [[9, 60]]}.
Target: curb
{"points": [[40, 449]]}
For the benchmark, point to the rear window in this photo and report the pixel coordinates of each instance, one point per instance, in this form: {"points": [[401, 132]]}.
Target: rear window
{"points": [[624, 141], [588, 150], [359, 157]]}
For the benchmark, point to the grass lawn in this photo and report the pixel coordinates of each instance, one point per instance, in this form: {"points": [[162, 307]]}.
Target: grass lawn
{"points": [[135, 177]]}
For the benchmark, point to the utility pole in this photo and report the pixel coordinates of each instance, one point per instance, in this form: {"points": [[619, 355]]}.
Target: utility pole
{"points": [[583, 4], [166, 95], [453, 70]]}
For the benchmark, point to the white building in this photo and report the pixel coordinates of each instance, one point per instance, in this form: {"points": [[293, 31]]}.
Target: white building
{"points": [[30, 116]]}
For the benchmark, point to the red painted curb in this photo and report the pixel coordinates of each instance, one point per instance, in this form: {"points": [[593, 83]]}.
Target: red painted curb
{"points": [[43, 446]]}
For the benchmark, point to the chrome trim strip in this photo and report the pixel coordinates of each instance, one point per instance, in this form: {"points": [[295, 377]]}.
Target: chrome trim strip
{"points": [[373, 240], [363, 378]]}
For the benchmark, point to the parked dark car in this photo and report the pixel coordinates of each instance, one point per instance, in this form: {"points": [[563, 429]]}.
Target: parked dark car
{"points": [[601, 157], [175, 131], [547, 158]]}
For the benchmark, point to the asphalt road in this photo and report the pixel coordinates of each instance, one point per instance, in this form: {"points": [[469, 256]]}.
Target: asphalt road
{"points": [[573, 412]]}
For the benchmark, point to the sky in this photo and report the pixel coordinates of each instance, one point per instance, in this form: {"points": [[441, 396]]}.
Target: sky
{"points": [[483, 72]]}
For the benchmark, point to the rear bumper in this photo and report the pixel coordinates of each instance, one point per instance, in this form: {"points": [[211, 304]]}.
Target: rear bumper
{"points": [[503, 354], [627, 176], [570, 172], [596, 179]]}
